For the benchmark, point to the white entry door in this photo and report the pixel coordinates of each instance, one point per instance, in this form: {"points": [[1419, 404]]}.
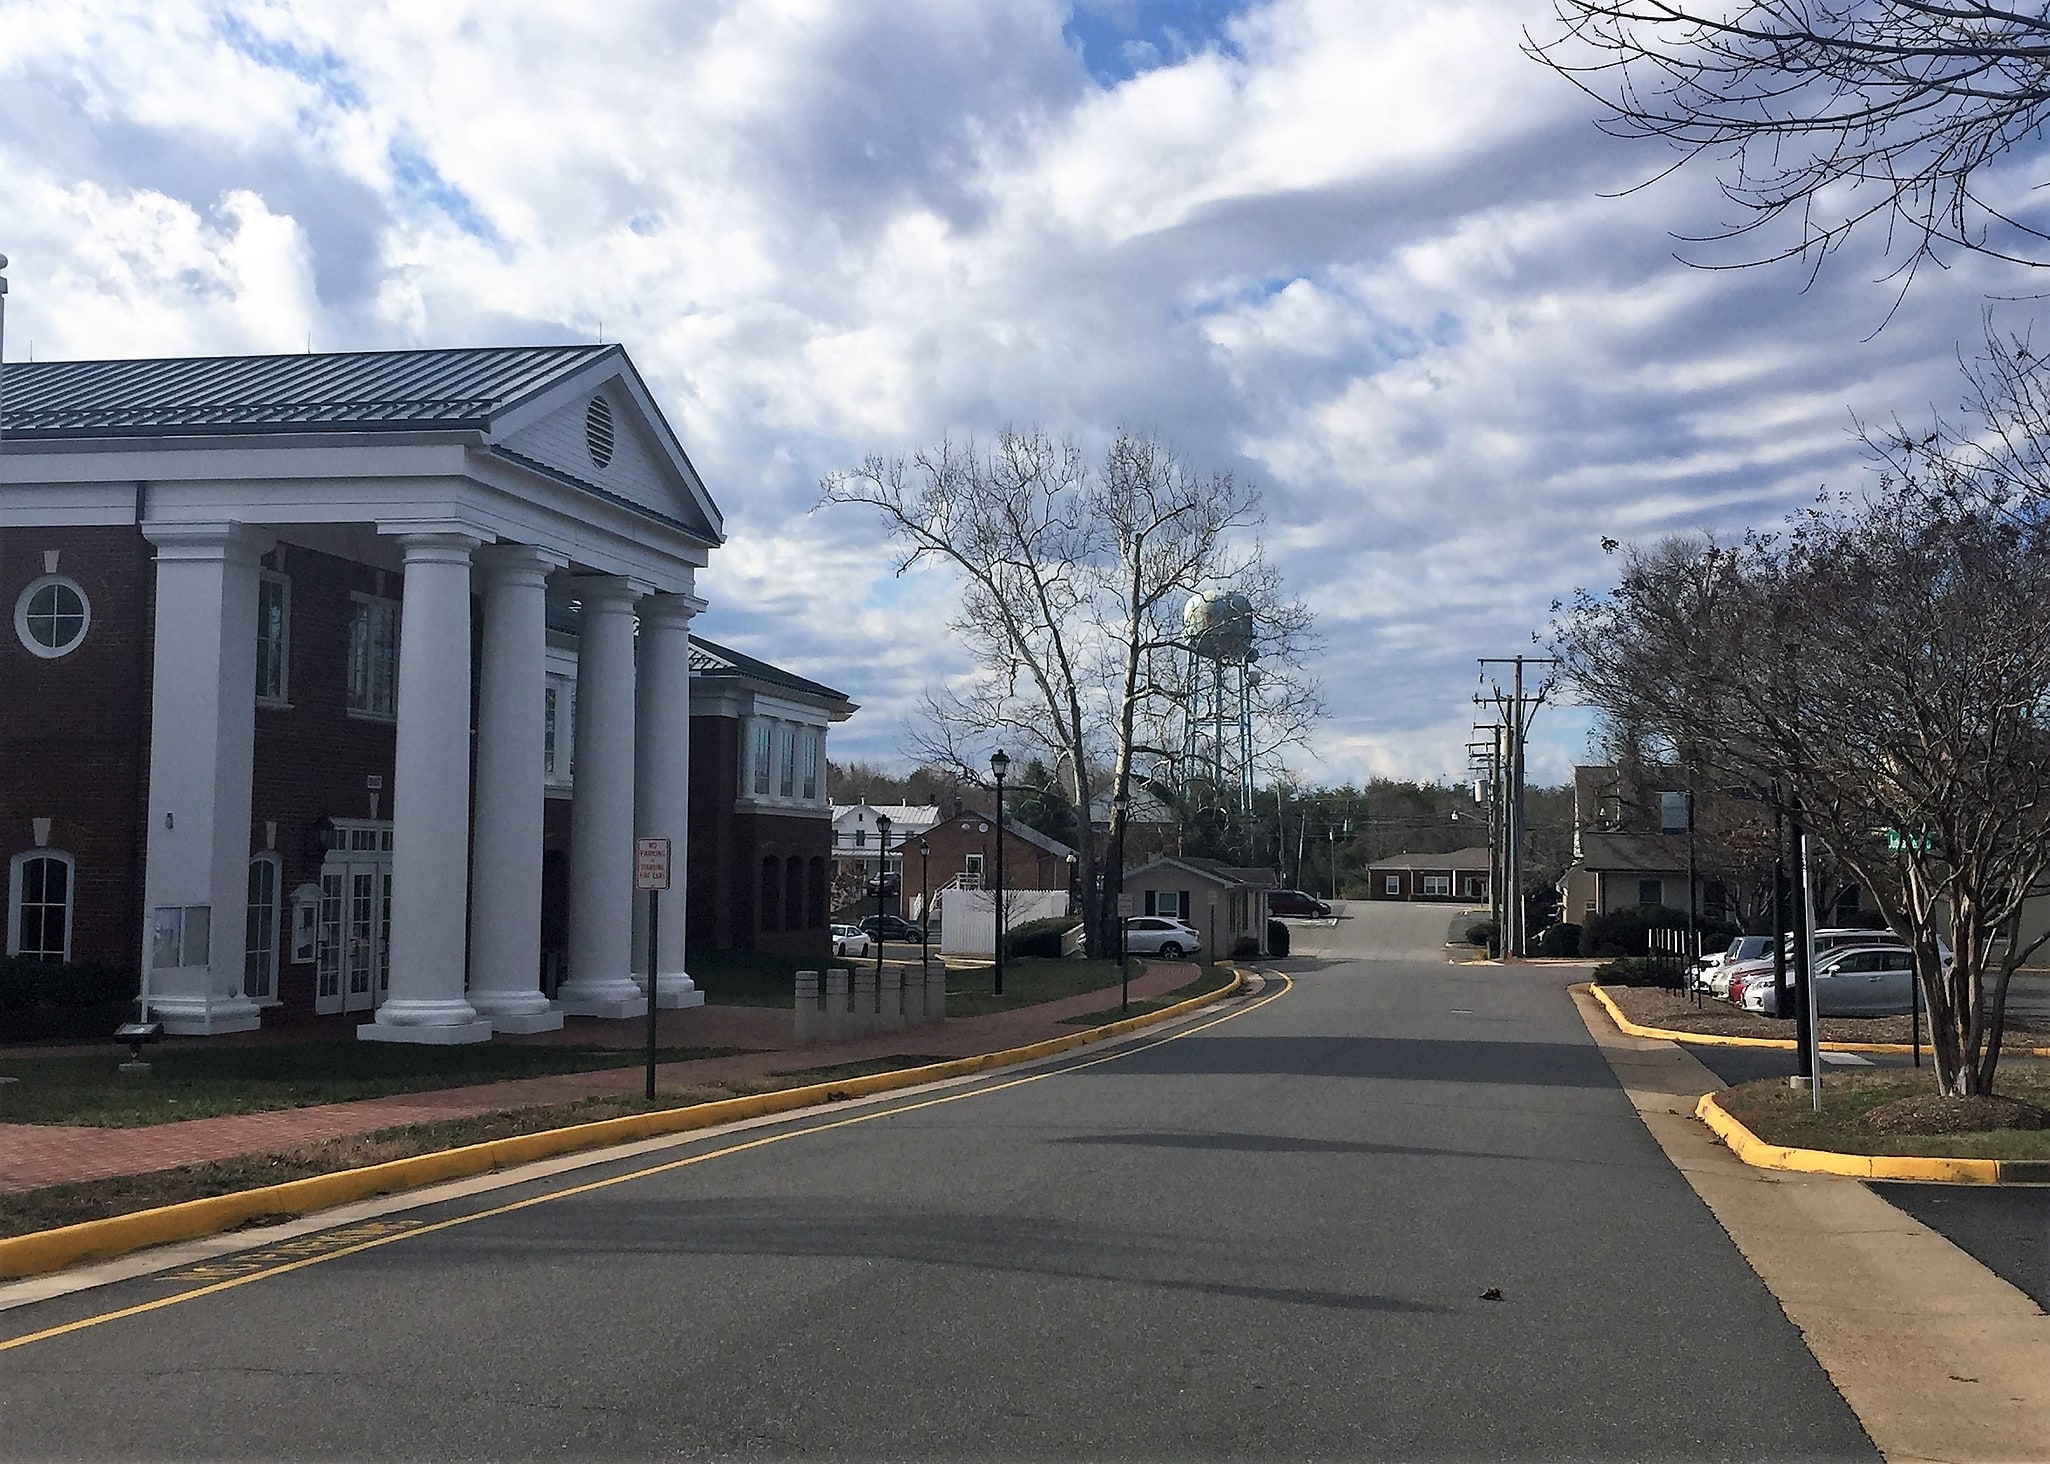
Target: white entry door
{"points": [[355, 920]]}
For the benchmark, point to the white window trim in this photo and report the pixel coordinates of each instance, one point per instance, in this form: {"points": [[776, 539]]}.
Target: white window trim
{"points": [[1437, 884], [277, 933], [14, 872], [282, 701], [1391, 884], [35, 647], [363, 714]]}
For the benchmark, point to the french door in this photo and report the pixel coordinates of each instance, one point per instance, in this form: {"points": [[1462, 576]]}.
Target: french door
{"points": [[355, 921]]}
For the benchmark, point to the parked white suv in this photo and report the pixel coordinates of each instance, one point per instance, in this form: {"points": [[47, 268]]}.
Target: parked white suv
{"points": [[1161, 935]]}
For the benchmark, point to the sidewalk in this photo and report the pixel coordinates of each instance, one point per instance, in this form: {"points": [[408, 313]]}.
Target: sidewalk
{"points": [[33, 1155]]}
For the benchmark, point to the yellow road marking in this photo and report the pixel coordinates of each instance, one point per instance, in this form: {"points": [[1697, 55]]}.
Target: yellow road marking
{"points": [[413, 1231]]}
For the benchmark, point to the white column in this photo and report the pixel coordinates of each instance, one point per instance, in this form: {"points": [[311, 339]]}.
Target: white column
{"points": [[662, 783], [431, 802], [505, 880], [601, 826], [202, 752]]}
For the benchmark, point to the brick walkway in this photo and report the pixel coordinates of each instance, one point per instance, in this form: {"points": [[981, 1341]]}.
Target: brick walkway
{"points": [[32, 1155]]}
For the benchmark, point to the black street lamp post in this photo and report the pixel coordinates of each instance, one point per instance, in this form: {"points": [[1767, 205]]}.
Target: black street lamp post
{"points": [[924, 907], [999, 764], [882, 887]]}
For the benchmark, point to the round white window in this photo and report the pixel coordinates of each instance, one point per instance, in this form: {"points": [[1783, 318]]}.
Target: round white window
{"points": [[52, 616]]}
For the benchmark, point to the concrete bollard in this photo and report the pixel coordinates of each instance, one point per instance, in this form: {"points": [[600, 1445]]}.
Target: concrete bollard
{"points": [[890, 1000], [837, 1015], [864, 1002], [936, 993], [912, 981], [807, 1007]]}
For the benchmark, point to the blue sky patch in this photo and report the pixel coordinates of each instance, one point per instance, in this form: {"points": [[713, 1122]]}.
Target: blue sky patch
{"points": [[416, 180], [321, 68], [1118, 39]]}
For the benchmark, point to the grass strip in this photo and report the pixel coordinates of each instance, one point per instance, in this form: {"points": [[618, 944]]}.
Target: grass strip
{"points": [[207, 1082], [1653, 1006], [1782, 1115], [1214, 978], [54, 1205]]}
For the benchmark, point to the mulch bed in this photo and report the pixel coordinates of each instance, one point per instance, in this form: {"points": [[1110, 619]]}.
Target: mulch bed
{"points": [[1655, 1006], [1929, 1113]]}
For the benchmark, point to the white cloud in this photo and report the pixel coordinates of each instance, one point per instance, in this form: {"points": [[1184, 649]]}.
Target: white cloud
{"points": [[1362, 253]]}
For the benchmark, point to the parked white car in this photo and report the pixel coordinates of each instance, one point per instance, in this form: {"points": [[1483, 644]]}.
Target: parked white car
{"points": [[1161, 935], [1717, 966], [852, 940]]}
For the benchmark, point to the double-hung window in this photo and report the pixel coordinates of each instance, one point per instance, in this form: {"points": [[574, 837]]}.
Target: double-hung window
{"points": [[761, 758], [811, 764], [787, 747], [273, 638], [558, 729], [374, 657]]}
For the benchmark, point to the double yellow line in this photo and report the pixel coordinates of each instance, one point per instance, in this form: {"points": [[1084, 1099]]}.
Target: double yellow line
{"points": [[666, 1167]]}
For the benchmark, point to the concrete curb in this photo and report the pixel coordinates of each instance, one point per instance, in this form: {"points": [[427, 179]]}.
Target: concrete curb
{"points": [[51, 1250], [1784, 1044], [1925, 1169]]}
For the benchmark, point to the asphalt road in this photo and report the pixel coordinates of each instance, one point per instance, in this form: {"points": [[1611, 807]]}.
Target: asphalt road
{"points": [[1272, 1237]]}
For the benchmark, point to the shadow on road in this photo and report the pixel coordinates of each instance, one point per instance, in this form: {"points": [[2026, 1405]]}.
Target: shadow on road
{"points": [[798, 1231], [1528, 1064], [1283, 1144]]}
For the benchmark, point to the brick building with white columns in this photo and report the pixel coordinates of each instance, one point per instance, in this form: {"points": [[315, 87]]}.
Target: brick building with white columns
{"points": [[243, 588]]}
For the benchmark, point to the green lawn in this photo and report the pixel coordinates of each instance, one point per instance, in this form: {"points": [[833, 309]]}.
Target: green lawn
{"points": [[1028, 981], [1782, 1115], [202, 1082], [752, 978]]}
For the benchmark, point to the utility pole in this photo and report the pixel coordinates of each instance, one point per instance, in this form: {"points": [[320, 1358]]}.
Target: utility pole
{"points": [[1485, 758], [1518, 708]]}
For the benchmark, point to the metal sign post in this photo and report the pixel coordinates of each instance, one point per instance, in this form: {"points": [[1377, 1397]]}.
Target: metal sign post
{"points": [[1125, 903], [651, 873]]}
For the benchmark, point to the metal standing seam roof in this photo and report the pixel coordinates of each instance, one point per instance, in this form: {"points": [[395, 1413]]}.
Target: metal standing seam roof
{"points": [[357, 390]]}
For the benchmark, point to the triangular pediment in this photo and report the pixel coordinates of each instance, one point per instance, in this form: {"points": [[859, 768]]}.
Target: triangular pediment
{"points": [[601, 429]]}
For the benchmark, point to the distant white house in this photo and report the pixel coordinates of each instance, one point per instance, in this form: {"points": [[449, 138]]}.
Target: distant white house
{"points": [[858, 849]]}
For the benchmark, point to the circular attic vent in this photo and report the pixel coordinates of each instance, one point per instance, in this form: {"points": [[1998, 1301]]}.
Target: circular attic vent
{"points": [[598, 430]]}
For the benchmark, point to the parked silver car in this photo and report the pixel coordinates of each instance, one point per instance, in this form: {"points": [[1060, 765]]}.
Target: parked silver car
{"points": [[1851, 981], [1713, 973]]}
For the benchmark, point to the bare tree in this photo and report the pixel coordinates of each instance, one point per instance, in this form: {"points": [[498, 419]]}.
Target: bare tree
{"points": [[1888, 663], [1828, 115], [1073, 580]]}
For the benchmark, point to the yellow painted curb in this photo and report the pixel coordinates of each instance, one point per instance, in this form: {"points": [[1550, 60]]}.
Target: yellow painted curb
{"points": [[50, 1250], [1784, 1044], [1754, 1151]]}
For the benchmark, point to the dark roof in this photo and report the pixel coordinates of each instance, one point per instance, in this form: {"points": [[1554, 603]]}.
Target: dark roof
{"points": [[358, 390], [707, 656], [1477, 857], [1217, 869], [1621, 853], [709, 660]]}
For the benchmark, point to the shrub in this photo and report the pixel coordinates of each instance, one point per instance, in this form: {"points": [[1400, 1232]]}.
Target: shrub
{"points": [[1625, 932], [1634, 971], [67, 999], [1484, 933], [1244, 947], [1277, 938], [1038, 937], [1558, 940]]}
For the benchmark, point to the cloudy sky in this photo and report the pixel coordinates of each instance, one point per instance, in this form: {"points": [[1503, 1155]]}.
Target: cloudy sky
{"points": [[1363, 252]]}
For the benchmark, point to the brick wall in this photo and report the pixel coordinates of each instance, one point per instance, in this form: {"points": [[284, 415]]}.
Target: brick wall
{"points": [[74, 743]]}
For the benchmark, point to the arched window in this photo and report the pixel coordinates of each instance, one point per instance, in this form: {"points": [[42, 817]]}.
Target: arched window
{"points": [[772, 883], [793, 894], [260, 945], [39, 884]]}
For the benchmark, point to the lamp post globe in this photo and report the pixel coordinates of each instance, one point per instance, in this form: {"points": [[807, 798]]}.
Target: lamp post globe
{"points": [[999, 764]]}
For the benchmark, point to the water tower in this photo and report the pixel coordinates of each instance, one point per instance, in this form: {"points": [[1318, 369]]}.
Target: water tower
{"points": [[1220, 631]]}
